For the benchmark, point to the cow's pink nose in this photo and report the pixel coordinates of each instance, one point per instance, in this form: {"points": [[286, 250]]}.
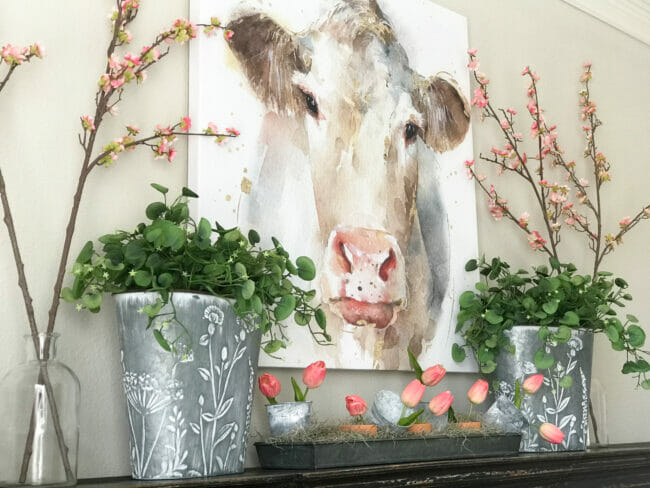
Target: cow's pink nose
{"points": [[365, 250]]}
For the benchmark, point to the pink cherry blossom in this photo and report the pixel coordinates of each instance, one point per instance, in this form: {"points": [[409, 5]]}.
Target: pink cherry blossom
{"points": [[132, 129], [186, 124], [535, 240], [133, 59], [525, 71], [171, 154], [472, 51], [532, 108], [587, 64], [511, 111], [37, 50], [523, 220], [625, 222], [232, 131], [473, 65], [505, 124], [87, 123], [556, 198], [480, 100], [228, 34]]}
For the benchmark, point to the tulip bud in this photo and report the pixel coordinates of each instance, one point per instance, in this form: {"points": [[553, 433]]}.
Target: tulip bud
{"points": [[269, 386], [478, 392], [314, 374], [441, 403], [412, 394], [433, 375], [356, 405], [533, 383], [551, 433]]}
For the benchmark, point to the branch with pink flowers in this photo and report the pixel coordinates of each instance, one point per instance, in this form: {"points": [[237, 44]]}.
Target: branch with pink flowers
{"points": [[553, 198], [120, 71]]}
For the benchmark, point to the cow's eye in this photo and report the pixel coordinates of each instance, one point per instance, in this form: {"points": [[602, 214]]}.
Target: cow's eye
{"points": [[410, 131], [312, 106]]}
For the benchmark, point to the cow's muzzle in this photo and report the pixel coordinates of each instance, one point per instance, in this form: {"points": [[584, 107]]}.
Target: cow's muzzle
{"points": [[364, 278]]}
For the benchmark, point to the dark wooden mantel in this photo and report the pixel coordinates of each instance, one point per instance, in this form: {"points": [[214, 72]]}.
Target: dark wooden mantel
{"points": [[623, 465]]}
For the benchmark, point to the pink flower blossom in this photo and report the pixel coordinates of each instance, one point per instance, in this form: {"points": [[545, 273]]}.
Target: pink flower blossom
{"points": [[186, 124], [604, 176], [556, 198], [132, 129], [133, 59], [118, 82], [171, 154], [551, 433], [232, 131], [570, 221], [314, 374], [480, 176], [505, 124], [433, 375], [473, 65], [523, 220], [646, 211], [480, 100], [533, 383], [511, 111], [525, 71], [472, 51], [228, 34], [478, 392], [482, 78], [269, 386], [543, 183], [13, 54], [37, 50], [87, 123], [532, 108], [625, 222], [583, 182], [355, 405], [441, 403], [587, 64], [413, 393], [469, 163], [535, 240], [211, 129]]}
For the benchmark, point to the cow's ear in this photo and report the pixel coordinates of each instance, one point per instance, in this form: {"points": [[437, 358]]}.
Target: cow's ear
{"points": [[269, 55], [445, 111]]}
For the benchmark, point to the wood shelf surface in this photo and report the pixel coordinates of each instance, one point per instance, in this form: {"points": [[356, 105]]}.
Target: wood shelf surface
{"points": [[620, 465]]}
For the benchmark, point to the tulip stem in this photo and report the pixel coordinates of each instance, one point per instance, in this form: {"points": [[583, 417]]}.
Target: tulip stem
{"points": [[272, 400], [471, 405]]}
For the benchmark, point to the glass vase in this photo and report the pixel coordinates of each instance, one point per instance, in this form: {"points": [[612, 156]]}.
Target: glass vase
{"points": [[39, 411]]}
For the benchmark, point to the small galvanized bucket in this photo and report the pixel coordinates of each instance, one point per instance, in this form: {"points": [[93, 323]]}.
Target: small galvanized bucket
{"points": [[564, 403], [288, 417], [189, 411]]}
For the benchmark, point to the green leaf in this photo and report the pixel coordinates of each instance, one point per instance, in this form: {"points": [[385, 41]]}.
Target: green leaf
{"points": [[240, 269], [566, 382], [152, 309], [285, 307], [300, 318], [204, 229], [645, 384], [142, 278], [92, 301], [632, 318], [298, 395], [636, 336], [488, 367], [160, 188], [471, 265], [612, 333], [134, 254], [248, 288], [67, 295], [492, 317], [555, 264], [457, 353], [273, 346], [321, 318], [563, 334], [155, 210], [570, 318], [414, 364], [256, 304], [551, 307], [492, 341], [165, 280], [186, 192], [543, 333], [577, 280], [406, 421], [306, 268], [620, 282], [543, 360], [466, 299], [480, 286], [86, 253], [161, 340], [253, 237]]}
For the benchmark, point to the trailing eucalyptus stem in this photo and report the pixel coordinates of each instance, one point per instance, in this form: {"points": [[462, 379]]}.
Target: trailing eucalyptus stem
{"points": [[119, 72]]}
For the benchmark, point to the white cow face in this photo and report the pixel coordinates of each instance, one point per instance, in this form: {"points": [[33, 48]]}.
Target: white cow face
{"points": [[363, 109]]}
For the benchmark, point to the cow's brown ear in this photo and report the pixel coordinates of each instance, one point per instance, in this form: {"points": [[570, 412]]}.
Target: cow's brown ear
{"points": [[269, 55], [445, 110]]}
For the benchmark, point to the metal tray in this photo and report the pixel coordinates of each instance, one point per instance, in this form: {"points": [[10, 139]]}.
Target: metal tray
{"points": [[316, 455]]}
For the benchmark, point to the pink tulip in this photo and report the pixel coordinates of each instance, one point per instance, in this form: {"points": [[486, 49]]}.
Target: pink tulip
{"points": [[433, 375], [412, 394], [533, 383], [441, 403], [478, 392], [314, 374], [269, 386], [356, 405], [551, 433]]}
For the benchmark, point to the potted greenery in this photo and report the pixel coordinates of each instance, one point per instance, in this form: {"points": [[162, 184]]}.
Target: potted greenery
{"points": [[194, 303], [519, 323]]}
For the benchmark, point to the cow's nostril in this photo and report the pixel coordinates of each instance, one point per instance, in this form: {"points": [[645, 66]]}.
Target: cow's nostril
{"points": [[389, 264], [343, 258]]}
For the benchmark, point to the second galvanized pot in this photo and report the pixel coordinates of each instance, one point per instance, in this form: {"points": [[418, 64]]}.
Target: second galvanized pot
{"points": [[562, 403], [189, 411]]}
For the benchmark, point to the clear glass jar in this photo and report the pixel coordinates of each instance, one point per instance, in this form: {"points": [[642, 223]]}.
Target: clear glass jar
{"points": [[39, 412]]}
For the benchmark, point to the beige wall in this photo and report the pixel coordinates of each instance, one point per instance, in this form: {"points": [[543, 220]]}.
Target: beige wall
{"points": [[38, 152]]}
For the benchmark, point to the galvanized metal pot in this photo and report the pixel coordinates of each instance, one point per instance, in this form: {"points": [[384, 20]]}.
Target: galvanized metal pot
{"points": [[288, 417], [189, 412], [567, 407]]}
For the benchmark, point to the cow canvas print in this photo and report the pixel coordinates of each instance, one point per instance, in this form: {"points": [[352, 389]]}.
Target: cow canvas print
{"points": [[355, 124]]}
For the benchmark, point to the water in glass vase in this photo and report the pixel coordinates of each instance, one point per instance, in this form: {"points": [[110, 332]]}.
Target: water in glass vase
{"points": [[39, 411]]}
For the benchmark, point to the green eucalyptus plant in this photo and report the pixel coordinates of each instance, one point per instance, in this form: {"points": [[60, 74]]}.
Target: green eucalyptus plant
{"points": [[173, 252], [554, 296]]}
